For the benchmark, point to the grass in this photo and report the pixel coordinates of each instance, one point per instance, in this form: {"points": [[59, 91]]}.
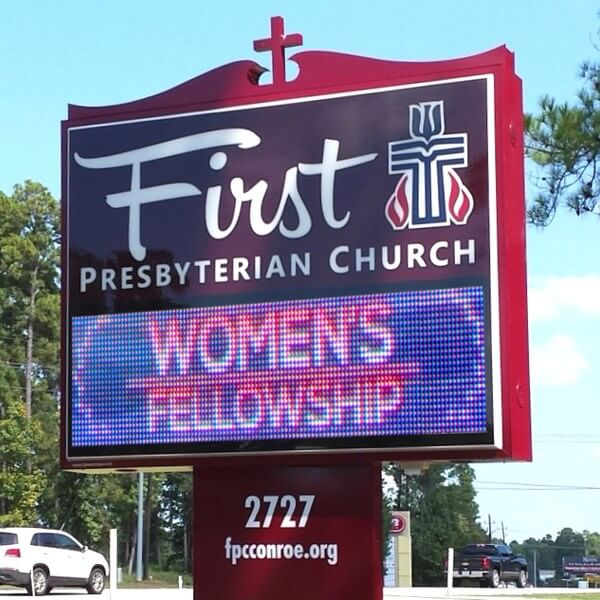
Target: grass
{"points": [[573, 596], [157, 579]]}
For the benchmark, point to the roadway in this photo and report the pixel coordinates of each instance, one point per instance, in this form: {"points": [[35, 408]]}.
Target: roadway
{"points": [[388, 594]]}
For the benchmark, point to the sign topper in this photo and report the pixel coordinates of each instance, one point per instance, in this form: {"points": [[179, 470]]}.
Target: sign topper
{"points": [[329, 264]]}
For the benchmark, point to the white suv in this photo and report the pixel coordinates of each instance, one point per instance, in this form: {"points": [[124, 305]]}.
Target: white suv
{"points": [[40, 559]]}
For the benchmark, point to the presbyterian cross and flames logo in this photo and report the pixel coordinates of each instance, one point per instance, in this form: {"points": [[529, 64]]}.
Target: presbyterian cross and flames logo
{"points": [[429, 193]]}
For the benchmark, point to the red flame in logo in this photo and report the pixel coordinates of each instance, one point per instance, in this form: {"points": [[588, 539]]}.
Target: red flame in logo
{"points": [[396, 209], [459, 198]]}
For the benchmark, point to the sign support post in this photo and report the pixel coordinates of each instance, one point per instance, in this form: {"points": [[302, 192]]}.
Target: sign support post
{"points": [[450, 569], [292, 532]]}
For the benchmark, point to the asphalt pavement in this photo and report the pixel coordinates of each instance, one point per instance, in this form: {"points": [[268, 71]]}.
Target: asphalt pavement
{"points": [[388, 594], [122, 594]]}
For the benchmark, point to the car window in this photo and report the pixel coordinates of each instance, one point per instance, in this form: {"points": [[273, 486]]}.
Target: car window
{"points": [[7, 539], [66, 543], [480, 550], [46, 540]]}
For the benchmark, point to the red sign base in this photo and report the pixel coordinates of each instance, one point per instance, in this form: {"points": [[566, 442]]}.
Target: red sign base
{"points": [[287, 532]]}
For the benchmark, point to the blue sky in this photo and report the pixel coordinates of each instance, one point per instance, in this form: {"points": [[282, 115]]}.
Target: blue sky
{"points": [[97, 53]]}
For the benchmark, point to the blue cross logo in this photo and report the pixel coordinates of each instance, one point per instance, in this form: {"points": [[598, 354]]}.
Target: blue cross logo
{"points": [[429, 192]]}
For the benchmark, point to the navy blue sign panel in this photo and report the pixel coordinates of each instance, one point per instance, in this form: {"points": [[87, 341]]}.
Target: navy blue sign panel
{"points": [[239, 281], [185, 210]]}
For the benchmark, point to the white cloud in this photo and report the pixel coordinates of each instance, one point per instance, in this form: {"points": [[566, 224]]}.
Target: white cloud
{"points": [[553, 295], [558, 362]]}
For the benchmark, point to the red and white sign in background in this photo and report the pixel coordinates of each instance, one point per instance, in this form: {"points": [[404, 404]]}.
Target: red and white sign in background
{"points": [[264, 281], [398, 524]]}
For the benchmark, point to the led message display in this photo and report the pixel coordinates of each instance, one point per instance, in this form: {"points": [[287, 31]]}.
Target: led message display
{"points": [[298, 273], [302, 372]]}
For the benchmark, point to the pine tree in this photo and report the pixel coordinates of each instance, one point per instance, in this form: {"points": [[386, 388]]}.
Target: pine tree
{"points": [[564, 140]]}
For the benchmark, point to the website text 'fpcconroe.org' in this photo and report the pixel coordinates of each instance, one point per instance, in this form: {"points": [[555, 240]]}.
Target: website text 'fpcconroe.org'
{"points": [[237, 552]]}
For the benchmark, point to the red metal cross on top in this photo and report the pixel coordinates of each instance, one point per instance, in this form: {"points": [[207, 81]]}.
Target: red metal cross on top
{"points": [[277, 44]]}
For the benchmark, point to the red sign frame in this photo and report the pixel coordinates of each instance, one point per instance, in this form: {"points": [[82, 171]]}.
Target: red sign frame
{"points": [[330, 73]]}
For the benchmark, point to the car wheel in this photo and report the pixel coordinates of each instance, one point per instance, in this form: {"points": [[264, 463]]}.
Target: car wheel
{"points": [[96, 581], [39, 578], [522, 579], [495, 580]]}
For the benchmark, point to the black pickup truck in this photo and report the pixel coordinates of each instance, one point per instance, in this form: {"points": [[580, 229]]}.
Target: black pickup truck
{"points": [[490, 564]]}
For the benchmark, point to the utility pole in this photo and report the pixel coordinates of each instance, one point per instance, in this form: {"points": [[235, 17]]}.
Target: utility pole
{"points": [[503, 534], [140, 528], [534, 568], [489, 528]]}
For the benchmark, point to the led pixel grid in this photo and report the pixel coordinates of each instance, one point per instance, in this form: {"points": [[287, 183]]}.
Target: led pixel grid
{"points": [[390, 364]]}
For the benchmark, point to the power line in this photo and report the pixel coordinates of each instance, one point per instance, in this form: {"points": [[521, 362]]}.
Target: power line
{"points": [[581, 440], [19, 366], [591, 441], [568, 438], [544, 489], [530, 487], [527, 484], [568, 435]]}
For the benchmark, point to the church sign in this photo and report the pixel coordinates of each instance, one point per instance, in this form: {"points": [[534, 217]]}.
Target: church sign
{"points": [[330, 264]]}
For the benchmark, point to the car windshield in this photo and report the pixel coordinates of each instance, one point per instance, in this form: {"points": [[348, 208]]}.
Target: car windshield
{"points": [[7, 539], [479, 549]]}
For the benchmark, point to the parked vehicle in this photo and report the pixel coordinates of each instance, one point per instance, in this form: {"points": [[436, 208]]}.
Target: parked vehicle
{"points": [[41, 559], [490, 564]]}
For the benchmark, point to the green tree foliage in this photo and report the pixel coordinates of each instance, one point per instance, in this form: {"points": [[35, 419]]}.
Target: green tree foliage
{"points": [[29, 277], [540, 553], [568, 543], [176, 516], [444, 514], [20, 483], [29, 317], [387, 507], [564, 140], [88, 506], [592, 543]]}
